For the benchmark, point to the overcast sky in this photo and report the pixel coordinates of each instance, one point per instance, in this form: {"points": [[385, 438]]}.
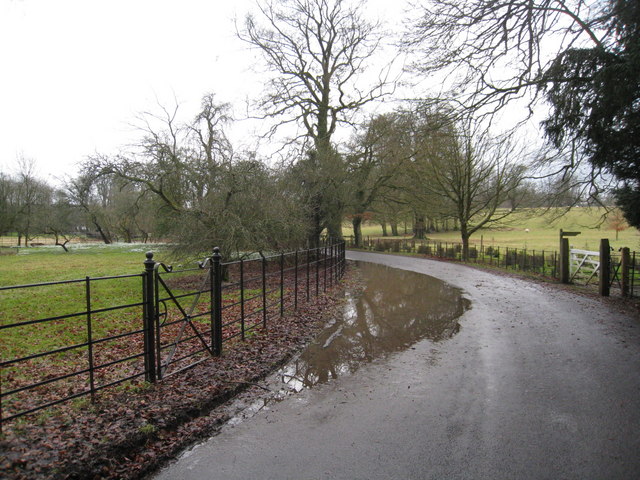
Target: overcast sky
{"points": [[75, 73]]}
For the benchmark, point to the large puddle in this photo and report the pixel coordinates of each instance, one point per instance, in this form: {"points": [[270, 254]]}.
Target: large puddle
{"points": [[395, 310]]}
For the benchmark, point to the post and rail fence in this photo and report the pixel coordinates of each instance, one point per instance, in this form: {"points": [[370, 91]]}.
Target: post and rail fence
{"points": [[165, 321], [567, 266]]}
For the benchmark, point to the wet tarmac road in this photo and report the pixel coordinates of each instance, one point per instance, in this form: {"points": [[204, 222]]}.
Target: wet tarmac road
{"points": [[536, 384]]}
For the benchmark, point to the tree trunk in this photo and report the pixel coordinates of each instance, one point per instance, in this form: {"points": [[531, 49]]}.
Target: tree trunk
{"points": [[357, 230], [63, 245], [316, 224], [334, 228], [56, 237], [394, 228], [383, 224], [465, 241], [105, 238], [419, 227]]}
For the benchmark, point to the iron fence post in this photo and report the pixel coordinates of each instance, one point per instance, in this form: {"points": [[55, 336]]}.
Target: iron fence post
{"points": [[334, 262], [264, 291], [212, 301], [324, 266], [343, 259], [242, 325], [281, 284], [149, 318], [317, 259], [216, 334], [308, 267], [92, 386], [295, 282]]}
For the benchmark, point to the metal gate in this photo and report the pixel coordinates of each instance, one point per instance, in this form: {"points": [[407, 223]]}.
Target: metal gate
{"points": [[183, 319]]}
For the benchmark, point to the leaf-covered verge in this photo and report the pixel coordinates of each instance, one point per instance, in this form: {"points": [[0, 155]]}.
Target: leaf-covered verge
{"points": [[134, 430]]}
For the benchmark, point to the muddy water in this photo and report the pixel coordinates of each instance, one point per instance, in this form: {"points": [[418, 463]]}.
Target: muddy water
{"points": [[396, 309]]}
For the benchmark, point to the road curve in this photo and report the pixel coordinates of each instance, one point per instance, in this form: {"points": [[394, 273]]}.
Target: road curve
{"points": [[538, 384]]}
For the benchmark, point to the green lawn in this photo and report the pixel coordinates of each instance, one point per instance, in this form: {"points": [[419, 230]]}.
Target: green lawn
{"points": [[36, 265], [543, 231], [52, 264]]}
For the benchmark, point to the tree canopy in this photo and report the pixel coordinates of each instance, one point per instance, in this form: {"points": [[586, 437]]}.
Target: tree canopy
{"points": [[595, 98], [317, 51], [579, 55]]}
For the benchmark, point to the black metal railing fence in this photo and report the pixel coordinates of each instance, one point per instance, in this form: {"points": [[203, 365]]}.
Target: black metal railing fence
{"points": [[158, 323]]}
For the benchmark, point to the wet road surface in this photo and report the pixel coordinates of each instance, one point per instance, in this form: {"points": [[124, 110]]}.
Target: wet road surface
{"points": [[537, 383]]}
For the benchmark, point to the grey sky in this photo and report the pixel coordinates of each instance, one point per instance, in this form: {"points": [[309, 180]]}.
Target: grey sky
{"points": [[76, 72]]}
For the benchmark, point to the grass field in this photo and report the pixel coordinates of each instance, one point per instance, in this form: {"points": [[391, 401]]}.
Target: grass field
{"points": [[543, 231], [58, 338], [48, 327], [51, 264]]}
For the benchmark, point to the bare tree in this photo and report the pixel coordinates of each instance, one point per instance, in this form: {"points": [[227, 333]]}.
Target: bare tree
{"points": [[81, 191], [317, 50], [62, 219], [475, 175], [9, 203], [494, 51], [579, 56], [33, 195], [375, 166], [203, 196]]}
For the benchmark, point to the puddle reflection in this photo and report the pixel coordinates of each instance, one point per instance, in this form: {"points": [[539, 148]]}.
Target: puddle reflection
{"points": [[396, 309]]}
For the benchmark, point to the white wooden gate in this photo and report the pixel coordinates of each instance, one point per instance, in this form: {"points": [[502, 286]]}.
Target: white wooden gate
{"points": [[583, 265]]}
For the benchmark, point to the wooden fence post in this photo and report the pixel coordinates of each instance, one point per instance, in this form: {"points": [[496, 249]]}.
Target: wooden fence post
{"points": [[625, 263], [605, 268], [564, 260]]}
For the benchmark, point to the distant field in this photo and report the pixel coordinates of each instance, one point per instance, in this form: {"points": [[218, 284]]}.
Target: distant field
{"points": [[50, 263], [12, 240], [543, 231]]}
